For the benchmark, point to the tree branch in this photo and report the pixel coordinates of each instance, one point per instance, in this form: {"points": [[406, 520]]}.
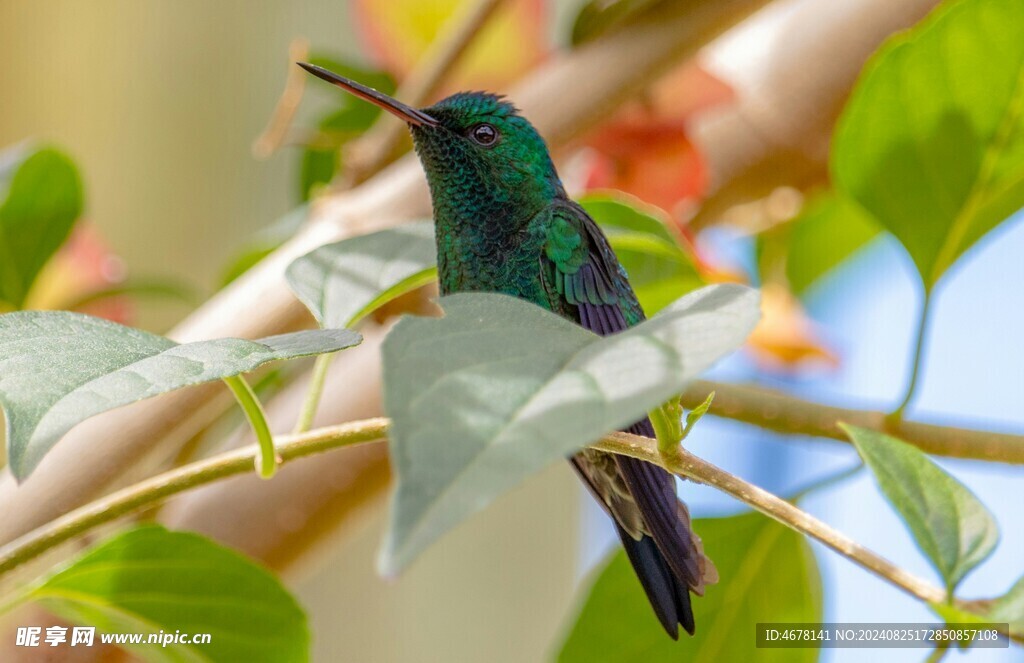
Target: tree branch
{"points": [[291, 447], [688, 466], [782, 413]]}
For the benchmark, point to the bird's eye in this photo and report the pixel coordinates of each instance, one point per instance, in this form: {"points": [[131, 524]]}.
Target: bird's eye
{"points": [[484, 134]]}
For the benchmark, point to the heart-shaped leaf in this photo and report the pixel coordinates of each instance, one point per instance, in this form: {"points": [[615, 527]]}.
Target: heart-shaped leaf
{"points": [[59, 368], [342, 282], [40, 199], [151, 580], [932, 140], [948, 522], [500, 388], [768, 575]]}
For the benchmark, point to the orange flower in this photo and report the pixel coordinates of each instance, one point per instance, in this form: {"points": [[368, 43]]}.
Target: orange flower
{"points": [[645, 149], [786, 339], [84, 264]]}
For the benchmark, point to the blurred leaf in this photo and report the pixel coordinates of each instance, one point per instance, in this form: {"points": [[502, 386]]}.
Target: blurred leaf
{"points": [[150, 289], [1009, 608], [950, 525], [151, 580], [768, 575], [264, 243], [246, 260], [499, 388], [828, 231], [659, 269], [321, 160], [398, 34], [932, 140], [316, 169], [597, 17], [342, 282], [40, 199], [60, 368]]}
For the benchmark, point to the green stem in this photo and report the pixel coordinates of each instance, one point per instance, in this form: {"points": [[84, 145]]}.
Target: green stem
{"points": [[266, 461], [316, 389], [919, 350], [667, 431]]}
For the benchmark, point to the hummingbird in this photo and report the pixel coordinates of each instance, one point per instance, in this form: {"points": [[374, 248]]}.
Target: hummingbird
{"points": [[504, 223]]}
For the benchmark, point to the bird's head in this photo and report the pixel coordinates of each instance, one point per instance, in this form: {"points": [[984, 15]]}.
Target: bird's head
{"points": [[475, 147]]}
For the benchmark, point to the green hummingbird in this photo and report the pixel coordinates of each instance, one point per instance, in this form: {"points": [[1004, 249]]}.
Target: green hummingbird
{"points": [[504, 223]]}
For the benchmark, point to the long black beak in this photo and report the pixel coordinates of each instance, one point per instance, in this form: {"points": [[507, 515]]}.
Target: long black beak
{"points": [[393, 106]]}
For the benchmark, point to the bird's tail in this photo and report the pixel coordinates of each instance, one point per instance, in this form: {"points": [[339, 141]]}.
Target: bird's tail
{"points": [[668, 595], [669, 558]]}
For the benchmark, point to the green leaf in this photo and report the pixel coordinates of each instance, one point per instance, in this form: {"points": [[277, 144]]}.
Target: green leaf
{"points": [[263, 243], [316, 169], [139, 289], [1009, 608], [768, 575], [950, 525], [320, 160], [828, 231], [598, 17], [40, 199], [149, 580], [695, 415], [932, 140], [59, 368], [500, 388], [342, 282], [659, 269]]}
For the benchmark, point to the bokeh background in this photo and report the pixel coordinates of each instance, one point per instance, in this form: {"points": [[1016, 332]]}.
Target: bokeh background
{"points": [[159, 103]]}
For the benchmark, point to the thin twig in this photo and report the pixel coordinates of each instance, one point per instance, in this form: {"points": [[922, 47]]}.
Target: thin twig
{"points": [[295, 446], [782, 413], [376, 147], [281, 119], [689, 466]]}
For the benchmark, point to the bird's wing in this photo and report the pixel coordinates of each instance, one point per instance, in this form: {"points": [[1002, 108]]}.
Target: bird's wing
{"points": [[583, 276]]}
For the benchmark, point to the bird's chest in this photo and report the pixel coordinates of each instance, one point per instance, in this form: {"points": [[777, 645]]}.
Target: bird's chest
{"points": [[470, 261]]}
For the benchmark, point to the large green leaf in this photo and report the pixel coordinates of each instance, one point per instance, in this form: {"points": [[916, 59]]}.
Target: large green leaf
{"points": [[932, 140], [40, 198], [659, 269], [499, 388], [151, 580], [342, 282], [768, 575], [828, 231], [950, 525], [59, 368]]}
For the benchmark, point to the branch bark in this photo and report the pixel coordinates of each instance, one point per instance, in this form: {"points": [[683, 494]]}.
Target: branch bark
{"points": [[291, 447], [782, 413]]}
